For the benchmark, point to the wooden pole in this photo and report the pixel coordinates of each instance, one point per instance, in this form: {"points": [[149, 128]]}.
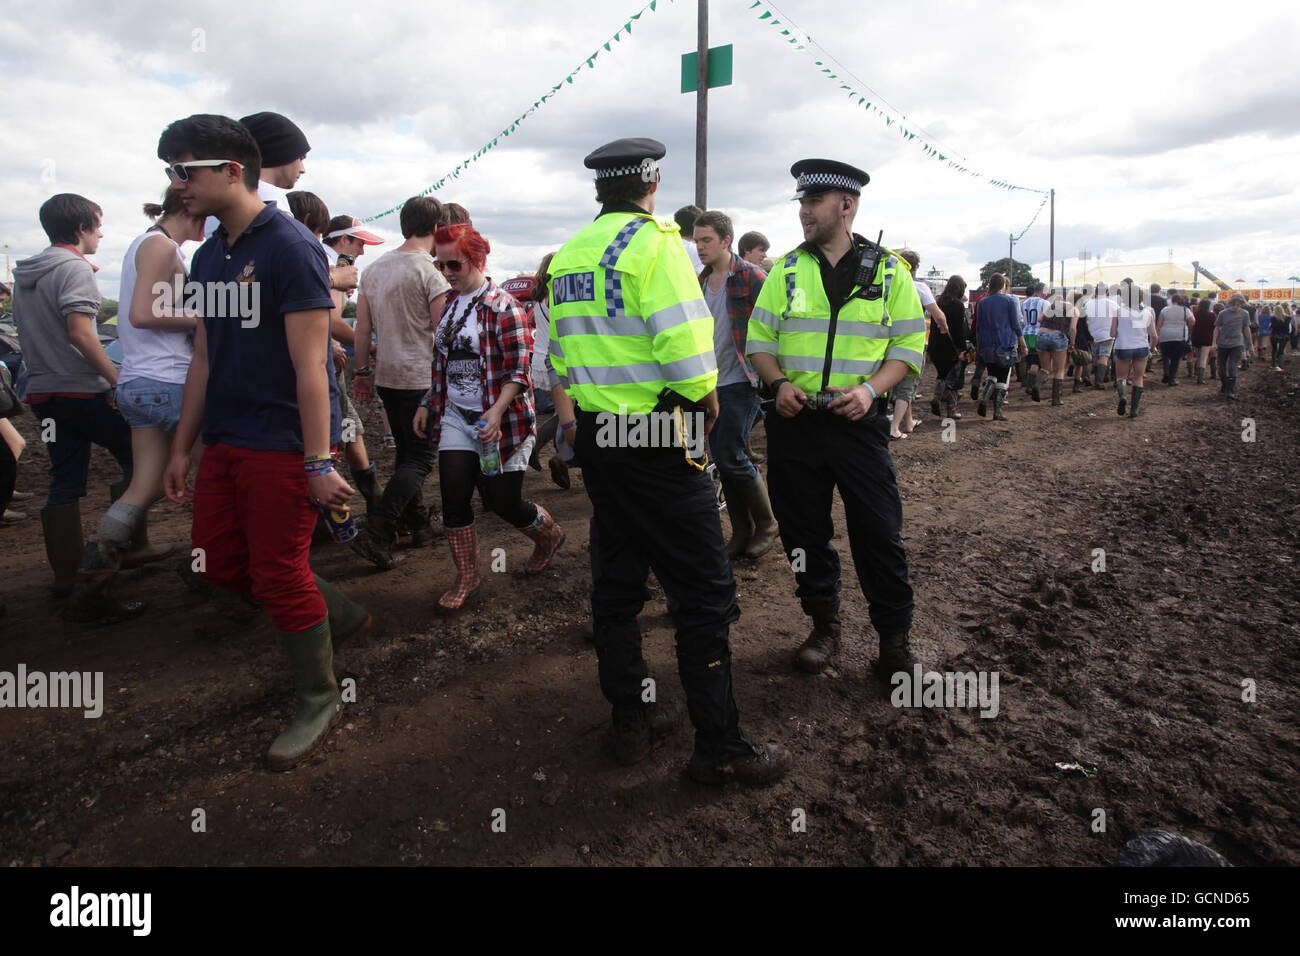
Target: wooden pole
{"points": [[1051, 245], [702, 109]]}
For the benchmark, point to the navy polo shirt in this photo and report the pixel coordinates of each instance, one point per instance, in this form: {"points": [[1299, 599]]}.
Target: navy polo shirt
{"points": [[252, 396]]}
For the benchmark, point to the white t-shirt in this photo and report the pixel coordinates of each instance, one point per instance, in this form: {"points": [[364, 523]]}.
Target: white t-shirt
{"points": [[693, 255], [1099, 312], [265, 192], [1133, 325], [157, 354], [541, 345], [925, 292], [1173, 323], [464, 360]]}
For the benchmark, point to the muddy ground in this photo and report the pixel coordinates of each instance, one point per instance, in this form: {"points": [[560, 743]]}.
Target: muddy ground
{"points": [[1136, 671]]}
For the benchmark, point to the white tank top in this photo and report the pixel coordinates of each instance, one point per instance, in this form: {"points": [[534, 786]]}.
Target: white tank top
{"points": [[155, 354]]}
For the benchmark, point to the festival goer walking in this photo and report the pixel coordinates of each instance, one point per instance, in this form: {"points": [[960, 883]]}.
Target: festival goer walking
{"points": [[1231, 340], [1133, 329], [1264, 340], [1031, 311], [261, 393], [1001, 342], [1057, 322], [1100, 312], [950, 351], [157, 336], [1281, 336], [904, 421], [479, 412], [631, 335], [1203, 341], [1174, 326]]}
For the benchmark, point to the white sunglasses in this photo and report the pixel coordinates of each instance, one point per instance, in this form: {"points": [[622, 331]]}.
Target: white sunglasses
{"points": [[181, 171]]}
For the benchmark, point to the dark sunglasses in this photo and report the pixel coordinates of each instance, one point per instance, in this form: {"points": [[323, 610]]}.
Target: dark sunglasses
{"points": [[448, 265], [181, 171]]}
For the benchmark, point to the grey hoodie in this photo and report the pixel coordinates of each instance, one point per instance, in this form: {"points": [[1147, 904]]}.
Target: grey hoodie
{"points": [[47, 288]]}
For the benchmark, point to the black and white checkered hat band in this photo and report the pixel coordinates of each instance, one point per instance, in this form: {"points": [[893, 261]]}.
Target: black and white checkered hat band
{"points": [[645, 167], [833, 180]]}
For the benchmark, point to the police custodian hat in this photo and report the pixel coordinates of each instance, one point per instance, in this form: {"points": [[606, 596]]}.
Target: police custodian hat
{"points": [[626, 157], [816, 176]]}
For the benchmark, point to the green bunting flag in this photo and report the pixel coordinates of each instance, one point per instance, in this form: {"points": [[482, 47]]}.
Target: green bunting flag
{"points": [[891, 121], [589, 64]]}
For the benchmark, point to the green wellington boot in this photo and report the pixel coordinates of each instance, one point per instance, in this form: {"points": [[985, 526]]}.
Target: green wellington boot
{"points": [[347, 618], [1137, 398], [64, 544], [316, 694]]}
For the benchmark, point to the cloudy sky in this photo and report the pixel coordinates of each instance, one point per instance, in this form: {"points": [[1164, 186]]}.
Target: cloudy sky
{"points": [[1161, 126]]}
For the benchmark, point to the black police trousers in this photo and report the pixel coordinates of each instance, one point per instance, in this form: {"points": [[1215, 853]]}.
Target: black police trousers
{"points": [[653, 510], [811, 455]]}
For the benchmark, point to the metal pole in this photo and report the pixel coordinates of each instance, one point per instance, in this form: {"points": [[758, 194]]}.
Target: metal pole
{"points": [[1051, 246], [702, 109], [1011, 260]]}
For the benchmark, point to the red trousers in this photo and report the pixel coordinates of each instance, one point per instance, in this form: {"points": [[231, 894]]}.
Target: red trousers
{"points": [[253, 519]]}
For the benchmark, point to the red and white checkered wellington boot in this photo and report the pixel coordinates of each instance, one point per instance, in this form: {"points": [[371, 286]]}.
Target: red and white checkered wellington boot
{"points": [[547, 536], [464, 551]]}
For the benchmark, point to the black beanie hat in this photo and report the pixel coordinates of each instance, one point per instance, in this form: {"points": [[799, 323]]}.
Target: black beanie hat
{"points": [[278, 138]]}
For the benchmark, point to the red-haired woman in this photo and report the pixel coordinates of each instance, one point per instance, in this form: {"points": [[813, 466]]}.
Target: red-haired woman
{"points": [[481, 392]]}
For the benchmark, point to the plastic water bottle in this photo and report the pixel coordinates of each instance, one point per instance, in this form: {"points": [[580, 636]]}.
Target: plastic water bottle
{"points": [[489, 455]]}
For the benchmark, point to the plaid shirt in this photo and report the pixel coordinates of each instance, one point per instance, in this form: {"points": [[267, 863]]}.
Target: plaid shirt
{"points": [[744, 281], [505, 342]]}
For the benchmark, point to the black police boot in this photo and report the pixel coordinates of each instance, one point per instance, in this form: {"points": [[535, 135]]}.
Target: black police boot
{"points": [[823, 643], [375, 542], [743, 761], [635, 729], [895, 655]]}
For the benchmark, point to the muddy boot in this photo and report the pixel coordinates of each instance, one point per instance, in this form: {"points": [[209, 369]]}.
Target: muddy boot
{"points": [[316, 694], [1137, 398], [347, 618], [1121, 388], [141, 551], [937, 397], [999, 398], [1200, 375], [547, 536], [91, 601], [744, 762], [1056, 391], [464, 551], [1078, 387], [823, 643], [635, 729], [375, 542], [895, 656], [757, 504], [742, 526], [63, 544], [983, 407], [369, 487], [1214, 366], [1034, 393], [951, 409]]}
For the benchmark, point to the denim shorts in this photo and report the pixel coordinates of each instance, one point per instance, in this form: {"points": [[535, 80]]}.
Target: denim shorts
{"points": [[1101, 350], [146, 403], [1132, 355], [1052, 342], [459, 435]]}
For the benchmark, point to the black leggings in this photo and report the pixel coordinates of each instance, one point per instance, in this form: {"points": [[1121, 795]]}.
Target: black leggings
{"points": [[1279, 347], [8, 474], [459, 473]]}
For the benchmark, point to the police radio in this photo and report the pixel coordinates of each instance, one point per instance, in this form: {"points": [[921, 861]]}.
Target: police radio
{"points": [[866, 277]]}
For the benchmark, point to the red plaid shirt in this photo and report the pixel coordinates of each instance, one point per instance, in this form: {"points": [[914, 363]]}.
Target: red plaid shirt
{"points": [[505, 342], [744, 281]]}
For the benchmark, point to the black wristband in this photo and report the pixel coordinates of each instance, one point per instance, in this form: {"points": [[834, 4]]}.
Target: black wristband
{"points": [[775, 385]]}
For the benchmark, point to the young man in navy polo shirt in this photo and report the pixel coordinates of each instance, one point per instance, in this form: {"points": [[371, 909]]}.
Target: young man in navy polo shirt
{"points": [[259, 387]]}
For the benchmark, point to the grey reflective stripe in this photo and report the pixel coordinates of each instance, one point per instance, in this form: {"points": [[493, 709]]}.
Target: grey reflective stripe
{"points": [[613, 293], [890, 264], [691, 367], [758, 345], [621, 241], [804, 363], [903, 355], [770, 319], [599, 325], [677, 314], [865, 330], [790, 262], [554, 347], [908, 326], [615, 374]]}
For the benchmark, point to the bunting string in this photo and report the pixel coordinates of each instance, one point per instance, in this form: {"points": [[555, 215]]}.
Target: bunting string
{"points": [[588, 64], [1032, 221], [800, 40]]}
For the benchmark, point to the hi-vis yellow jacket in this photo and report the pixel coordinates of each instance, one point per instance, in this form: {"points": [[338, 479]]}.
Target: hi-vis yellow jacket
{"points": [[627, 316], [792, 320]]}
